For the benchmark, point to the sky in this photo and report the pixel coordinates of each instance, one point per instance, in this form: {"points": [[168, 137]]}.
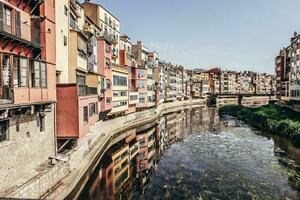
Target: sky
{"points": [[231, 34]]}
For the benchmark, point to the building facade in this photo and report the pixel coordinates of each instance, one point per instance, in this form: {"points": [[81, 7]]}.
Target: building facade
{"points": [[27, 105]]}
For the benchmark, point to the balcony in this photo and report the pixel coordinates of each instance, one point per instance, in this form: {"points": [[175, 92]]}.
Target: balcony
{"points": [[27, 32], [114, 39], [84, 90], [109, 38], [120, 69]]}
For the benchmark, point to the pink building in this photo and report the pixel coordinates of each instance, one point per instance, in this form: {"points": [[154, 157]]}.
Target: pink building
{"points": [[105, 68], [141, 84], [126, 60]]}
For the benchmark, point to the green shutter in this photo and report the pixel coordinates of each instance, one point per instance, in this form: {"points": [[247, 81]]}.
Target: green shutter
{"points": [[18, 24], [1, 16]]}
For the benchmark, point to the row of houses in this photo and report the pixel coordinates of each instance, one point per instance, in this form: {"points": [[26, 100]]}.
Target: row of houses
{"points": [[66, 65], [287, 67]]}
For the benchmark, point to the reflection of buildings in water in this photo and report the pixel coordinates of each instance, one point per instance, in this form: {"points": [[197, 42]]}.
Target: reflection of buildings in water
{"points": [[133, 159], [102, 185], [146, 141], [133, 151], [113, 176], [170, 124], [179, 125], [119, 154]]}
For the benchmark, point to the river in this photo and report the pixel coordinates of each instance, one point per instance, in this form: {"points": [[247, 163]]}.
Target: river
{"points": [[192, 154]]}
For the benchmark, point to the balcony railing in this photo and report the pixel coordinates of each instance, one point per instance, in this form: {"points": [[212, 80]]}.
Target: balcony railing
{"points": [[84, 90], [119, 68], [22, 31], [111, 38]]}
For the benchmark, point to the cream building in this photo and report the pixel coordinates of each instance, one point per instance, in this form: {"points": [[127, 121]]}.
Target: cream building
{"points": [[62, 8], [120, 89], [108, 23]]}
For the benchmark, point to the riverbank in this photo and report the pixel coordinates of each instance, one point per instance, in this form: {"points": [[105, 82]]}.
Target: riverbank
{"points": [[72, 170], [102, 136], [274, 119]]}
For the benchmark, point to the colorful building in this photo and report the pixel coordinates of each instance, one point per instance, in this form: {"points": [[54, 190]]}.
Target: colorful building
{"points": [[28, 94], [295, 68], [127, 61], [78, 90]]}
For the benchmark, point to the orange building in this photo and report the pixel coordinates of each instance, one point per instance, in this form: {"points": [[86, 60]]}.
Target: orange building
{"points": [[27, 88]]}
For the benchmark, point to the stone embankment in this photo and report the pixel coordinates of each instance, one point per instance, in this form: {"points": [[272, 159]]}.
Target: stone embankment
{"points": [[71, 172], [68, 176]]}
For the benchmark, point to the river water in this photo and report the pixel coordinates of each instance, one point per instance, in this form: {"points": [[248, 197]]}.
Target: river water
{"points": [[192, 154]]}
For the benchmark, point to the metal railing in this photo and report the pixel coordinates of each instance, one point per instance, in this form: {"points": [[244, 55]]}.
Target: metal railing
{"points": [[85, 90]]}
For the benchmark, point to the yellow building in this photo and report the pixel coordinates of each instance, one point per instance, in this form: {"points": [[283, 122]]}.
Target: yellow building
{"points": [[120, 158]]}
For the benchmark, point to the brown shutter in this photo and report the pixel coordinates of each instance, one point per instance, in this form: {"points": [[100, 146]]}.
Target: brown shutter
{"points": [[1, 16], [18, 23]]}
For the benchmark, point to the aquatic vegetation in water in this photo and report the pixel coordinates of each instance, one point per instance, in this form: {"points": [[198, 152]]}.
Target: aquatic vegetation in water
{"points": [[270, 118]]}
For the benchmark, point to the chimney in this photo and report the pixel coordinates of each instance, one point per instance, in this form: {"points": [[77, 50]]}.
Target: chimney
{"points": [[295, 34]]}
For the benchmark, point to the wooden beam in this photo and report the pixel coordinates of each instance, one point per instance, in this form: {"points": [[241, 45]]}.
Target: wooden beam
{"points": [[29, 51], [4, 46], [24, 46], [13, 48], [27, 4], [19, 3]]}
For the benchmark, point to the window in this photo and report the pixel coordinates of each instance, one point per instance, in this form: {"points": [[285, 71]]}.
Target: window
{"points": [[66, 10], [102, 83], [42, 123], [142, 99], [36, 74], [119, 80], [107, 63], [108, 100], [92, 109], [6, 73], [80, 80], [3, 131], [133, 97], [21, 72], [85, 114], [141, 84], [73, 22], [43, 75], [7, 16], [120, 93], [81, 47], [107, 84], [107, 48], [141, 73], [65, 40], [119, 104]]}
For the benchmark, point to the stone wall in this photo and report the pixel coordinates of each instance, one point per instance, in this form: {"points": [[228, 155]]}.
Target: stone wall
{"points": [[25, 150]]}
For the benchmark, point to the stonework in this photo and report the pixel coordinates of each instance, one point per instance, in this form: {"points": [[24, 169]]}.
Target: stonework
{"points": [[26, 149]]}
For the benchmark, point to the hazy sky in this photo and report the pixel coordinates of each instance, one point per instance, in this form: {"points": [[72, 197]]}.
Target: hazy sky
{"points": [[234, 34]]}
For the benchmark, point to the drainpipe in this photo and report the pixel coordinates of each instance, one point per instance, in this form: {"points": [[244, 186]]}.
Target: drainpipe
{"points": [[55, 130]]}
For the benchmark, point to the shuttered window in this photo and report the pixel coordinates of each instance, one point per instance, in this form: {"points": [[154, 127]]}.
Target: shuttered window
{"points": [[82, 47], [21, 72], [1, 16], [43, 75], [36, 80], [18, 23]]}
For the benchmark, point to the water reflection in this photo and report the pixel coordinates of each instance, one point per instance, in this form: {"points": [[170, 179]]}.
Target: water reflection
{"points": [[192, 154]]}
